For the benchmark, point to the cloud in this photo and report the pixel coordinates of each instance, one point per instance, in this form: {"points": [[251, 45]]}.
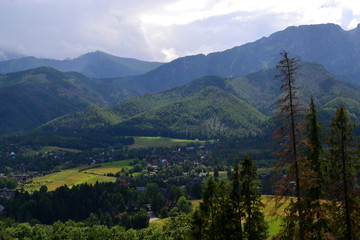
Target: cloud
{"points": [[170, 54], [158, 30]]}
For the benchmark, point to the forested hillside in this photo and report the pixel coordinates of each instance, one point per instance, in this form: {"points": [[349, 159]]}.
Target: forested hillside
{"points": [[181, 112], [248, 70], [33, 97]]}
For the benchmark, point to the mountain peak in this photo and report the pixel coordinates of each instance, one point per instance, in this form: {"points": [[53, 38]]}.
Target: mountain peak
{"points": [[96, 53], [314, 29]]}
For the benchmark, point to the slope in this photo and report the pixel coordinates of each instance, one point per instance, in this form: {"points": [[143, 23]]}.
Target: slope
{"points": [[261, 89], [327, 44], [210, 113], [92, 119], [181, 112], [258, 90], [33, 97]]}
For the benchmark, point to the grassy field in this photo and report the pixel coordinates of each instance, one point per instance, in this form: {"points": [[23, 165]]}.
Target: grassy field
{"points": [[158, 223], [78, 175], [274, 225], [111, 167], [49, 149], [145, 142], [222, 174]]}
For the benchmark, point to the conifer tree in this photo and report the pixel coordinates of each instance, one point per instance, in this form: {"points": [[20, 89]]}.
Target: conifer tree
{"points": [[213, 220], [341, 187], [208, 209], [289, 136], [197, 224], [255, 227], [224, 216], [315, 221], [236, 200], [226, 206]]}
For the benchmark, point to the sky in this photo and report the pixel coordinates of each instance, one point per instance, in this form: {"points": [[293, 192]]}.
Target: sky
{"points": [[155, 30]]}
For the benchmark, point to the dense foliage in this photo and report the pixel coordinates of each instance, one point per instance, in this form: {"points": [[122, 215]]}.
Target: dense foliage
{"points": [[231, 210]]}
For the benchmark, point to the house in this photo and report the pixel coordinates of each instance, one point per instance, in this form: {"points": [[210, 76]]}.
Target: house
{"points": [[202, 174]]}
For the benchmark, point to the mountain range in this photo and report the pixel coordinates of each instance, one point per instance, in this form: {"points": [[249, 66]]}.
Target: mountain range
{"points": [[212, 107], [230, 93], [327, 44], [95, 64]]}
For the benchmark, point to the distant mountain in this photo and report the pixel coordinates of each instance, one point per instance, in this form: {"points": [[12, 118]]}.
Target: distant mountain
{"points": [[212, 107], [95, 64], [327, 44], [261, 90], [33, 97], [7, 55]]}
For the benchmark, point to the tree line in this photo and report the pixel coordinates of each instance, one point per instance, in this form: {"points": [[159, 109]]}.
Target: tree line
{"points": [[231, 210], [320, 182]]}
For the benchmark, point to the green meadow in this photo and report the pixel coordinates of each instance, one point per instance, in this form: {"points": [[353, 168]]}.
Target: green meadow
{"points": [[49, 149], [78, 175], [111, 167], [145, 142]]}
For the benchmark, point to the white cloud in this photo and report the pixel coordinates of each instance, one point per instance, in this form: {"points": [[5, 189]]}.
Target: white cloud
{"points": [[156, 30], [170, 54]]}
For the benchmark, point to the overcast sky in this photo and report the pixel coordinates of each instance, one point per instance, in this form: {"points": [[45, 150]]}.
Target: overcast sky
{"points": [[155, 30]]}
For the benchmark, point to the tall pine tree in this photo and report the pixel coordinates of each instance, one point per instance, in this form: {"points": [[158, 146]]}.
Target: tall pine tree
{"points": [[289, 136], [208, 209], [255, 227], [314, 177], [236, 200], [341, 187]]}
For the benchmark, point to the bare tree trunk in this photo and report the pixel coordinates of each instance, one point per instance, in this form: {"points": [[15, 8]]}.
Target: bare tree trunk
{"points": [[289, 132]]}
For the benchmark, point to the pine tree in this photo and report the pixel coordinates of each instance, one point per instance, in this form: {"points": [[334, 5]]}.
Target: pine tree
{"points": [[341, 176], [236, 200], [224, 216], [315, 221], [197, 224], [208, 209], [289, 136], [255, 227], [226, 205]]}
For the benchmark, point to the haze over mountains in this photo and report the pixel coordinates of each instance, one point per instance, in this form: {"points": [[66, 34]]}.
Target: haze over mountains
{"points": [[95, 64], [337, 50], [238, 100]]}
